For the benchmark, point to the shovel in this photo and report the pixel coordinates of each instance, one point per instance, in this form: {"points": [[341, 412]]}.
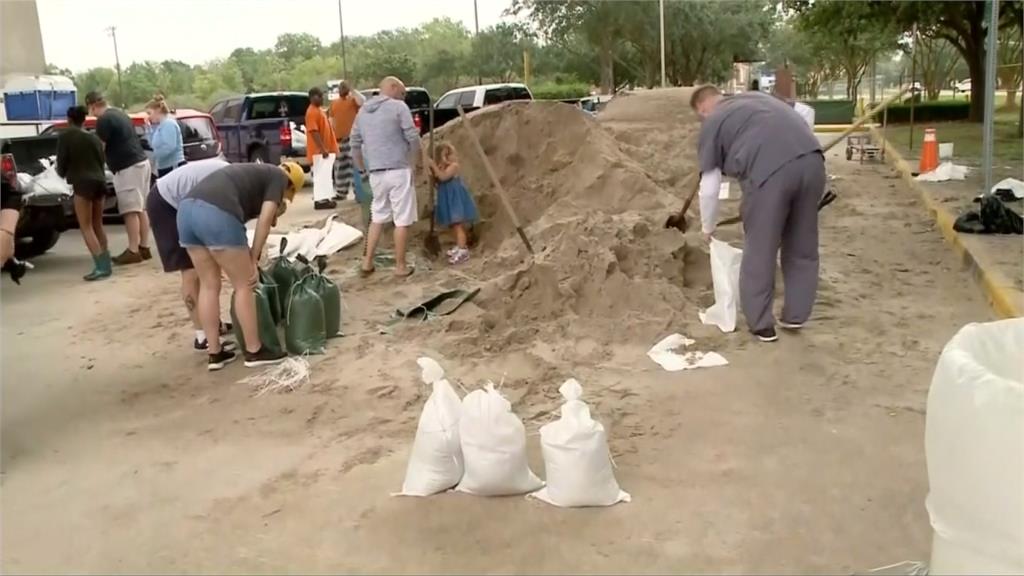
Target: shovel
{"points": [[431, 244], [678, 221]]}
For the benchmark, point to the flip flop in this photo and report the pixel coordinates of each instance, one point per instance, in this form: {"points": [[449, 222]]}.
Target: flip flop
{"points": [[408, 272], [364, 273]]}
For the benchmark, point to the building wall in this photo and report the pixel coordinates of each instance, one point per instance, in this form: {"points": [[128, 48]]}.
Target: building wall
{"points": [[21, 41]]}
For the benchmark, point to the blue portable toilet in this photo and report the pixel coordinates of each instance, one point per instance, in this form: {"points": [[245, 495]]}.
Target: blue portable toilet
{"points": [[37, 98]]}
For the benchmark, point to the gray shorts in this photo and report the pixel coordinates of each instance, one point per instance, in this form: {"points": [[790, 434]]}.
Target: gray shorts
{"points": [[132, 187]]}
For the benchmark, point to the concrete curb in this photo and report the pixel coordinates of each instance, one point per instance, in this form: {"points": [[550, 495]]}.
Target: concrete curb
{"points": [[1004, 298]]}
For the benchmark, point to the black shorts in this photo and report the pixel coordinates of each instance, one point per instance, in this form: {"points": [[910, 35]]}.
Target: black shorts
{"points": [[90, 189], [163, 219]]}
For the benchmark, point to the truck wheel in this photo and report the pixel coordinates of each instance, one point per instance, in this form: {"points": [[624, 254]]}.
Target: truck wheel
{"points": [[41, 241], [259, 155]]}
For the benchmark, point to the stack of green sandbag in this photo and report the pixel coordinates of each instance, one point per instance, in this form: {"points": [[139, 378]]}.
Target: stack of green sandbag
{"points": [[304, 300], [313, 313]]}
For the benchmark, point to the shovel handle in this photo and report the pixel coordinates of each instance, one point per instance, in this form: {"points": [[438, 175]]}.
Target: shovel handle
{"points": [[494, 178]]}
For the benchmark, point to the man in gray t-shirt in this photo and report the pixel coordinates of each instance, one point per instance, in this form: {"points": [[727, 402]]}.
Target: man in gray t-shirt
{"points": [[764, 144]]}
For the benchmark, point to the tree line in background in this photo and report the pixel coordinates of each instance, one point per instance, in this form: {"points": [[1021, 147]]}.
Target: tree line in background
{"points": [[571, 45]]}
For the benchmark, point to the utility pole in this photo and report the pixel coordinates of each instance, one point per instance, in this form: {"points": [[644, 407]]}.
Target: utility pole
{"points": [[117, 61], [662, 17], [913, 75], [341, 28], [476, 36], [991, 61]]}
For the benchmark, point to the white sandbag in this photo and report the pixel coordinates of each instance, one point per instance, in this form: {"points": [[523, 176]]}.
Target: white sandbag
{"points": [[48, 181], [577, 464], [725, 276], [435, 464], [337, 236], [974, 446], [493, 447]]}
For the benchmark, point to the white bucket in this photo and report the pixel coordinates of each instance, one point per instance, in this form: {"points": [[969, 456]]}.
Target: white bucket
{"points": [[974, 443], [945, 150]]}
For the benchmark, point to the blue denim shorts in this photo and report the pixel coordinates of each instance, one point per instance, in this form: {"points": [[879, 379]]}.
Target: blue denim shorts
{"points": [[201, 224]]}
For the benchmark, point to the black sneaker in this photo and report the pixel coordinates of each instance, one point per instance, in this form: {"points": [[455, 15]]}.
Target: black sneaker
{"points": [[263, 357], [325, 205], [220, 360], [767, 335], [205, 345]]}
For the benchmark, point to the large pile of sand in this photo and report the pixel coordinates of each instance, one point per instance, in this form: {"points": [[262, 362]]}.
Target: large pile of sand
{"points": [[604, 267]]}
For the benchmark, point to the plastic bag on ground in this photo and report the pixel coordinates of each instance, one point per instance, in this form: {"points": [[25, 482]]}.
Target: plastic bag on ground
{"points": [[725, 275], [264, 320], [493, 447], [305, 329], [435, 464], [577, 464]]}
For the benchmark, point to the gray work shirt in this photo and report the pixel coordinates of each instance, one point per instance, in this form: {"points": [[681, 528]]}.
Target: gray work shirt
{"points": [[751, 135]]}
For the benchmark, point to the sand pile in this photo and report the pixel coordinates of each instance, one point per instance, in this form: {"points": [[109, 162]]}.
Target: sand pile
{"points": [[604, 267], [657, 129], [554, 161]]}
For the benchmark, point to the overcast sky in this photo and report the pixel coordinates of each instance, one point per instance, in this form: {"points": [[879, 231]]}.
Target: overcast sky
{"points": [[195, 31]]}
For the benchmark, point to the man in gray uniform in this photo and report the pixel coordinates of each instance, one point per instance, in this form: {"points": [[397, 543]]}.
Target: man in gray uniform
{"points": [[761, 142]]}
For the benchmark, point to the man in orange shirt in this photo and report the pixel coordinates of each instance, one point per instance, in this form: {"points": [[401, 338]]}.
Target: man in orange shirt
{"points": [[321, 150], [343, 111]]}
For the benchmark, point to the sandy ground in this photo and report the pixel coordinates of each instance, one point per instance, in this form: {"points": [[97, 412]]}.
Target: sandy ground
{"points": [[120, 453]]}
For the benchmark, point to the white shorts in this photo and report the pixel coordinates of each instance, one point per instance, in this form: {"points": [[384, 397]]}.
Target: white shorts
{"points": [[394, 197], [132, 186]]}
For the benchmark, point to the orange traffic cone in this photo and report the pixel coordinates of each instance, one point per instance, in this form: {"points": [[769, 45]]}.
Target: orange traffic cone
{"points": [[929, 152]]}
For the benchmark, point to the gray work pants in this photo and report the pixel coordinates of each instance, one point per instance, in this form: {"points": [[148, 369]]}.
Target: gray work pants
{"points": [[782, 214]]}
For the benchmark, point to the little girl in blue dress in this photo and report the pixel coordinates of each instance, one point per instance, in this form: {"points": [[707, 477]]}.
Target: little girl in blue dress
{"points": [[455, 207]]}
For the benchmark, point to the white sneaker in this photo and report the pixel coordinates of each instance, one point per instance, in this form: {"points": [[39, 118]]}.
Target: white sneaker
{"points": [[790, 325], [459, 256]]}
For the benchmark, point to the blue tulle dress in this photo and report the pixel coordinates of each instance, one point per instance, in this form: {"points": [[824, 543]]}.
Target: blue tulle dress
{"points": [[454, 204]]}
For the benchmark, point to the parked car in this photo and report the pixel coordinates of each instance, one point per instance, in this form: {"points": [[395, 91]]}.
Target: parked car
{"points": [[475, 97], [44, 212], [418, 101], [262, 127]]}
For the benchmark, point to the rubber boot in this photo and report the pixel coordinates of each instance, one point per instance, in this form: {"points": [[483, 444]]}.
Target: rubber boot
{"points": [[103, 267]]}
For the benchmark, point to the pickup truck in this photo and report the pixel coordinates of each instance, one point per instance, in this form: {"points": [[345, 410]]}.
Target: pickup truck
{"points": [[418, 101], [45, 213], [262, 127], [476, 97]]}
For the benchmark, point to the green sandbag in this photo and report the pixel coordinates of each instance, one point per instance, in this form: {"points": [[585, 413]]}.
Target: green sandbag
{"points": [[273, 297], [264, 320], [305, 330], [330, 295], [285, 273]]}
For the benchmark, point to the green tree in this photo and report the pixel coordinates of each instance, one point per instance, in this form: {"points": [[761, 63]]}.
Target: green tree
{"points": [[1011, 52], [960, 23], [597, 22], [498, 52], [101, 78], [853, 36], [291, 47], [936, 60]]}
